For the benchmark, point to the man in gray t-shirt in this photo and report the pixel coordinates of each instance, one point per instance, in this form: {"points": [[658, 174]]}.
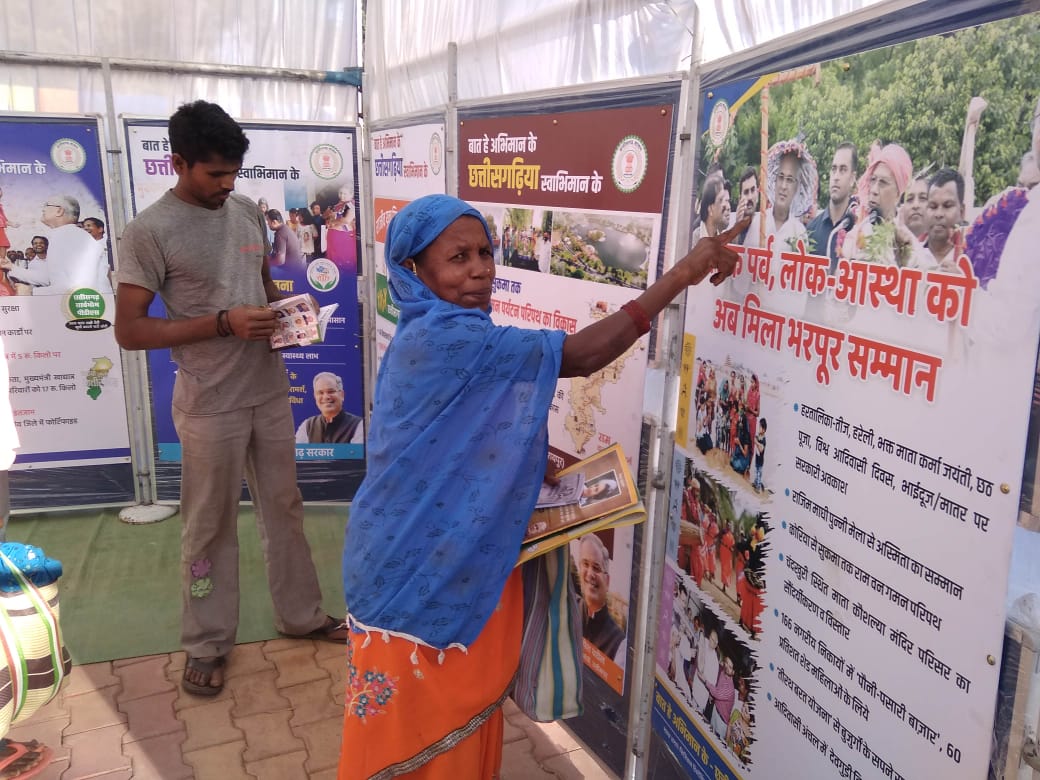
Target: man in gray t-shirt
{"points": [[202, 249]]}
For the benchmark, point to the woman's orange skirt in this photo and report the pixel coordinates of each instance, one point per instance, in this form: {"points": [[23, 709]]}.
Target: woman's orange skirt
{"points": [[410, 715]]}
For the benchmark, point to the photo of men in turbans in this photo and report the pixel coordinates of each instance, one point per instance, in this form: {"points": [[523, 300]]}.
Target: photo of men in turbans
{"points": [[845, 172]]}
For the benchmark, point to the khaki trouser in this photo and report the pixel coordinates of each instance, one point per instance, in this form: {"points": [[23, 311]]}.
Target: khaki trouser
{"points": [[217, 450]]}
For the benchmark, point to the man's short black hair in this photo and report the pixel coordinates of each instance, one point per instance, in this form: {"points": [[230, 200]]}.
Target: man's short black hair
{"points": [[201, 130], [712, 187], [945, 176], [96, 221], [274, 215], [46, 241], [748, 173], [852, 148]]}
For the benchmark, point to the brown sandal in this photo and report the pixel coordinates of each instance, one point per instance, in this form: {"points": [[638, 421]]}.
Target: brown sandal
{"points": [[204, 667], [331, 630], [22, 760]]}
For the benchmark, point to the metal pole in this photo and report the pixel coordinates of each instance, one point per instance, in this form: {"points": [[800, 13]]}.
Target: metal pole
{"points": [[451, 130], [140, 454], [670, 339], [135, 367], [367, 280]]}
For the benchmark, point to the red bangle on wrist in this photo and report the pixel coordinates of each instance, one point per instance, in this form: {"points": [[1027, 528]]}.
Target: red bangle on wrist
{"points": [[639, 316]]}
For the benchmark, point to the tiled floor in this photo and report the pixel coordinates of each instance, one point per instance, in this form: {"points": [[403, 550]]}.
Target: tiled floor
{"points": [[278, 718]]}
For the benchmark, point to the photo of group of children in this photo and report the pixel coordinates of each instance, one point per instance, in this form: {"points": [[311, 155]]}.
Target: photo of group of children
{"points": [[722, 547], [730, 429], [712, 671], [607, 248]]}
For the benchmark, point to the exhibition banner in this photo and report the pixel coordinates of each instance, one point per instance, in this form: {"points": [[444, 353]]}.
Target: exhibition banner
{"points": [[307, 174], [56, 305], [574, 200], [407, 163], [853, 423]]}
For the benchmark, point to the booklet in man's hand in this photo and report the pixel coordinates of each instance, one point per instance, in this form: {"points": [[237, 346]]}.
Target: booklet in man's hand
{"points": [[606, 497], [299, 321]]}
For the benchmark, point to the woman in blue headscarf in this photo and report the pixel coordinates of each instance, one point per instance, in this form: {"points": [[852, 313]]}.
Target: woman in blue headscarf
{"points": [[456, 455]]}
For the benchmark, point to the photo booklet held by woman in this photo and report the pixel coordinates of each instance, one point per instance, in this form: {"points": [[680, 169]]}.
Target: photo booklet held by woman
{"points": [[608, 498]]}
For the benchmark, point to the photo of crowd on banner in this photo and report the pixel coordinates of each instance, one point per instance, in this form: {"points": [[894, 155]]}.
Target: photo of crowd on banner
{"points": [[51, 242], [865, 221], [722, 548], [712, 671], [886, 209], [593, 246], [522, 238], [302, 229], [730, 430]]}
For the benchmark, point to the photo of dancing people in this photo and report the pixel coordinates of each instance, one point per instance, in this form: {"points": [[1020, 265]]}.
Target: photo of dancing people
{"points": [[712, 672], [731, 428], [722, 547]]}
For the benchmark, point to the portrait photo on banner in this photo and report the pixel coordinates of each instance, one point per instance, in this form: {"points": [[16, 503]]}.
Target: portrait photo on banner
{"points": [[601, 566]]}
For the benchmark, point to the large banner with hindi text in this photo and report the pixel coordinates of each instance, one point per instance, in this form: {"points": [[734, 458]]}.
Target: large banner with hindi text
{"points": [[407, 163], [856, 398], [56, 305], [575, 202], [306, 176]]}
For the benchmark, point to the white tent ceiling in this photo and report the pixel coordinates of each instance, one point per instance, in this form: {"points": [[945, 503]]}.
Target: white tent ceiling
{"points": [[316, 35], [506, 47]]}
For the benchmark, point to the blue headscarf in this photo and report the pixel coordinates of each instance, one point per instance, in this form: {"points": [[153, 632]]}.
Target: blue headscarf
{"points": [[456, 453]]}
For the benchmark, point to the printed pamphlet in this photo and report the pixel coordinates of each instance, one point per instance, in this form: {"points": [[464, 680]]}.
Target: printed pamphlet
{"points": [[607, 498], [300, 321], [566, 491]]}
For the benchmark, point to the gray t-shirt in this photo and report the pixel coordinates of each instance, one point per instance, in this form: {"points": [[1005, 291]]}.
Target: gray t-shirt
{"points": [[199, 261]]}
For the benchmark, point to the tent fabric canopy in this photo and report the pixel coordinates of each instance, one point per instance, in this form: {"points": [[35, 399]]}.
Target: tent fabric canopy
{"points": [[502, 49], [506, 48], [314, 35]]}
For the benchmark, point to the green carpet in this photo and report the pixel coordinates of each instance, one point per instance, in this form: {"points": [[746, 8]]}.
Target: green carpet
{"points": [[120, 593]]}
